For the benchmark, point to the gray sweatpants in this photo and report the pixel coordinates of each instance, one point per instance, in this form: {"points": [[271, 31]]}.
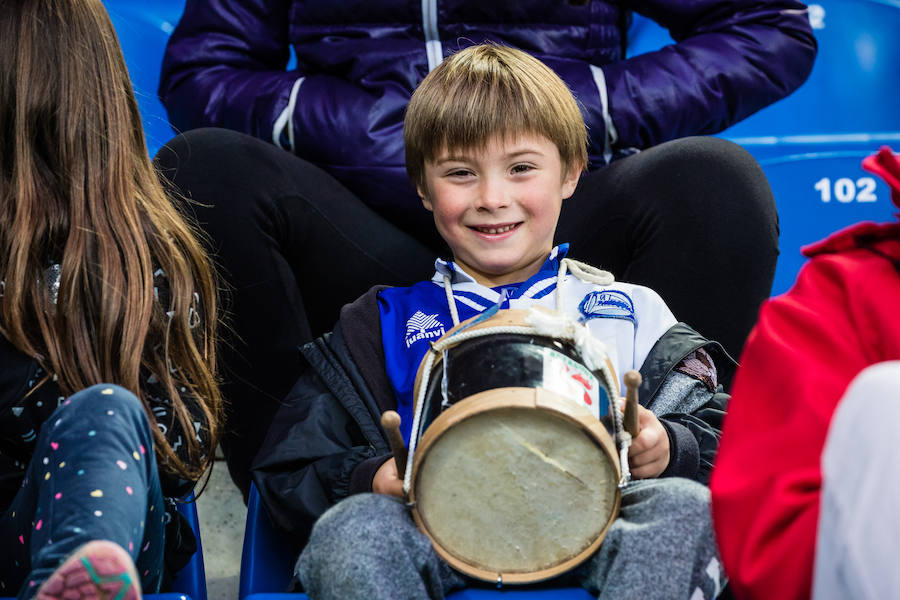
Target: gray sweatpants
{"points": [[661, 546]]}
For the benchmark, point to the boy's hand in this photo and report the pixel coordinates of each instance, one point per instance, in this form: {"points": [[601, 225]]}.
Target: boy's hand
{"points": [[649, 452], [386, 480]]}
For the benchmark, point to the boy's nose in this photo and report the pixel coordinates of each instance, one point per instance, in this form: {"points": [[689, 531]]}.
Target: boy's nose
{"points": [[491, 196]]}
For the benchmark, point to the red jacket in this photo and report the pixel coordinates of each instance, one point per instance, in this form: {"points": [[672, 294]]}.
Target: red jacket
{"points": [[842, 315]]}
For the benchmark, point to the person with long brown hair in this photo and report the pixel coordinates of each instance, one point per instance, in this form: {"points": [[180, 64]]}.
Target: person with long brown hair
{"points": [[109, 403]]}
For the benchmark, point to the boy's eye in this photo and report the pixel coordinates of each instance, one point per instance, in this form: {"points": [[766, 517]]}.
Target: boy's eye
{"points": [[522, 168], [459, 173]]}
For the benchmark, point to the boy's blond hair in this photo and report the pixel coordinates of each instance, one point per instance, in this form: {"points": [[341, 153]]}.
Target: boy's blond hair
{"points": [[485, 91]]}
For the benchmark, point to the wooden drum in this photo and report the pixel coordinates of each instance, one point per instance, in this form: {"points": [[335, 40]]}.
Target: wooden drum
{"points": [[513, 470]]}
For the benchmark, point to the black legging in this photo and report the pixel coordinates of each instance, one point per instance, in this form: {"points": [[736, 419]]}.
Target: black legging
{"points": [[693, 219]]}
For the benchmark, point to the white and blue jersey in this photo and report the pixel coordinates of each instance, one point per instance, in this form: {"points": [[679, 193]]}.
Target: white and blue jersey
{"points": [[627, 318]]}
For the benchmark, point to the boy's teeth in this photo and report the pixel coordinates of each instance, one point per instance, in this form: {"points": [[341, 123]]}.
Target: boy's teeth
{"points": [[503, 229]]}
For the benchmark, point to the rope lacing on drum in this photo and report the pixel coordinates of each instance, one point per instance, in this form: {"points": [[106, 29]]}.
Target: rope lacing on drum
{"points": [[624, 440]]}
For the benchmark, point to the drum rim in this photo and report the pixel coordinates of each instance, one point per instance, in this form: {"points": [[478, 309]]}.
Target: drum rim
{"points": [[506, 398], [507, 316]]}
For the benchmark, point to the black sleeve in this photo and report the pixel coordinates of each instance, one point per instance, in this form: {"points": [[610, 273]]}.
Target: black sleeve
{"points": [[324, 444], [680, 383], [306, 462]]}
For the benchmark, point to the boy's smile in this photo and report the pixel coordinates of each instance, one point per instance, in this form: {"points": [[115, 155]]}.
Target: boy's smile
{"points": [[497, 206]]}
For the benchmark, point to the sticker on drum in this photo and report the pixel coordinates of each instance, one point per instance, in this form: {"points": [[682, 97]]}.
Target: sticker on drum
{"points": [[574, 381]]}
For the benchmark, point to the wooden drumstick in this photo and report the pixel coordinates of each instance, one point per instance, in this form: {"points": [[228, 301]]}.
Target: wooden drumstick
{"points": [[632, 383], [390, 420]]}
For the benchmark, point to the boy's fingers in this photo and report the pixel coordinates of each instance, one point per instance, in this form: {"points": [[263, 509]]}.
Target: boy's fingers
{"points": [[647, 454], [648, 438], [645, 472], [647, 466], [386, 480], [395, 488]]}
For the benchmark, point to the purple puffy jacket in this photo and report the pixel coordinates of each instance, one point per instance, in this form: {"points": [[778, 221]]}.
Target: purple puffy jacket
{"points": [[360, 60]]}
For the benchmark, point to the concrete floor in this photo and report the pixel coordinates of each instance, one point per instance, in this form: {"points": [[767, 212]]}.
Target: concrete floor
{"points": [[222, 517]]}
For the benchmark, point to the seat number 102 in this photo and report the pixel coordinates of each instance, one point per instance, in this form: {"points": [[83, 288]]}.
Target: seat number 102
{"points": [[846, 190]]}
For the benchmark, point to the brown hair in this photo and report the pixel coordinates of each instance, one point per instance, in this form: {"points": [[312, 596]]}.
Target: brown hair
{"points": [[485, 91], [77, 188]]}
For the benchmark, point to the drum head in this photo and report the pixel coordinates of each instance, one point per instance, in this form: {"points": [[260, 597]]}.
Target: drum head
{"points": [[505, 488]]}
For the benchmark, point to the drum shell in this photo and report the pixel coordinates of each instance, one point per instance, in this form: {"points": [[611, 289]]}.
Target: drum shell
{"points": [[505, 381], [496, 402]]}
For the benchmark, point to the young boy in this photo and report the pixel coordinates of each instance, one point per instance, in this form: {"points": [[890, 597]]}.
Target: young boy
{"points": [[494, 143]]}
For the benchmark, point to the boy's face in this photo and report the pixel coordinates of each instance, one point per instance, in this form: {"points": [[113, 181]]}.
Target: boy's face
{"points": [[497, 207]]}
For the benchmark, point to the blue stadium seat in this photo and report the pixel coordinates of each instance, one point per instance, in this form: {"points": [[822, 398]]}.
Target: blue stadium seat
{"points": [[529, 594], [268, 561], [168, 596], [467, 594], [853, 85], [645, 35], [191, 580], [819, 188], [811, 143], [143, 29], [190, 583]]}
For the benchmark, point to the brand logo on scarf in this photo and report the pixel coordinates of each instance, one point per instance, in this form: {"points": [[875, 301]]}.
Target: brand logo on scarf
{"points": [[423, 327], [607, 304]]}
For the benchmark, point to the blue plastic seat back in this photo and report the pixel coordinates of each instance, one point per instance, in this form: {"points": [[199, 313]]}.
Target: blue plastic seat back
{"points": [[166, 596], [191, 580], [811, 143], [549, 593], [471, 594], [853, 86], [267, 560], [143, 29], [819, 189]]}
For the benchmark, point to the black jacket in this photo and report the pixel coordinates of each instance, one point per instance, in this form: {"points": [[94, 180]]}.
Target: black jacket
{"points": [[326, 441]]}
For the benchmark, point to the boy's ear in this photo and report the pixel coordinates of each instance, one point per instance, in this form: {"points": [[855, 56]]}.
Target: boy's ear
{"points": [[424, 196], [571, 181]]}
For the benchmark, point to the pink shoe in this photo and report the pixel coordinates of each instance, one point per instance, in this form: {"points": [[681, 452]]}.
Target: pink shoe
{"points": [[98, 570]]}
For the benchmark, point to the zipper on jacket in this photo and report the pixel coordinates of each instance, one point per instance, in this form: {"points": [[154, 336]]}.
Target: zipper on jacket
{"points": [[433, 49]]}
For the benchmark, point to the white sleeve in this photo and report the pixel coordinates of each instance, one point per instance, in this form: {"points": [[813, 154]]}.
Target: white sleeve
{"points": [[653, 319]]}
